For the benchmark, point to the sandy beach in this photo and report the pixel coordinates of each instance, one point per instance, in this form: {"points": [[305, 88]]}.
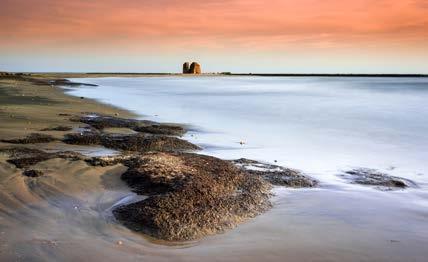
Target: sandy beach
{"points": [[67, 213]]}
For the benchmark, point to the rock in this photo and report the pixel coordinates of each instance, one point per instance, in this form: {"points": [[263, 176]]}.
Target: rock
{"points": [[58, 128], [372, 177], [83, 138], [186, 68], [276, 175], [66, 82], [31, 139], [190, 196], [166, 144], [25, 157], [130, 142], [161, 129], [32, 173], [112, 160], [100, 121], [143, 126], [195, 68]]}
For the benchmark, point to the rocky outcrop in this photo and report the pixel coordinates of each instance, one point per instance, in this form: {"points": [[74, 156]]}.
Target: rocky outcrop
{"points": [[32, 173], [57, 128], [130, 142], [372, 177], [190, 196], [276, 175], [23, 157], [30, 139], [186, 68], [101, 122], [194, 68]]}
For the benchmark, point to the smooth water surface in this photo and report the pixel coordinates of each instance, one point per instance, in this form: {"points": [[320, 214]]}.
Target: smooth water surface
{"points": [[321, 126], [318, 125]]}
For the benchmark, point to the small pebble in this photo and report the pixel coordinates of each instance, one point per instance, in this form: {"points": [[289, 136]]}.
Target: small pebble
{"points": [[119, 243]]}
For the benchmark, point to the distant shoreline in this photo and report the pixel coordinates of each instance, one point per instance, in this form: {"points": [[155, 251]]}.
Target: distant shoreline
{"points": [[133, 74], [336, 75]]}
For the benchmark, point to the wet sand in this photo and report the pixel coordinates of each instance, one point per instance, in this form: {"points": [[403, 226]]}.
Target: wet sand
{"points": [[66, 214]]}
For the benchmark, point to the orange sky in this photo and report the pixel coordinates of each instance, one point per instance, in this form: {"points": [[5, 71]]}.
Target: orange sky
{"points": [[226, 35]]}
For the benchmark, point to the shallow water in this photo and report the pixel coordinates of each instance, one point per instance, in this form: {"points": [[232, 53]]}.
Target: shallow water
{"points": [[318, 125]]}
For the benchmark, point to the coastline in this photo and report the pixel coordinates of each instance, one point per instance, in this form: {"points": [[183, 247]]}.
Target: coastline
{"points": [[101, 184], [27, 107], [46, 124]]}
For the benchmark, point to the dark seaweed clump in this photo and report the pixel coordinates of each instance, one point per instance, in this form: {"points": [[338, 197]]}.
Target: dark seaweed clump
{"points": [[32, 173], [58, 128], [101, 122], [130, 142], [31, 139], [26, 157]]}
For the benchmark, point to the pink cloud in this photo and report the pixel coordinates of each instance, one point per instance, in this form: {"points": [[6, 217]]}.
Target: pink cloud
{"points": [[211, 24]]}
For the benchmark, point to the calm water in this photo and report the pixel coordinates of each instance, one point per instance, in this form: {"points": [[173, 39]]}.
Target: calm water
{"points": [[318, 125]]}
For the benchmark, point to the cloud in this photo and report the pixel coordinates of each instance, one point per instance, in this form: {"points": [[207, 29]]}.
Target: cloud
{"points": [[210, 23]]}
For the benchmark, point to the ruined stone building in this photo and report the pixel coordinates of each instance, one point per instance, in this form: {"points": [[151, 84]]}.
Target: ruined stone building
{"points": [[193, 68]]}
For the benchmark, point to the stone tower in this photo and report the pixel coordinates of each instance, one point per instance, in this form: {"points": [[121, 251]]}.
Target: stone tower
{"points": [[186, 68], [193, 68]]}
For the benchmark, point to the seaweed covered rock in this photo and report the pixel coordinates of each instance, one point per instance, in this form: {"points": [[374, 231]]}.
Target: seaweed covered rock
{"points": [[126, 159], [83, 138], [167, 144], [372, 177], [58, 128], [101, 122], [161, 129], [31, 139], [190, 196], [276, 175], [66, 82], [32, 173], [25, 157], [130, 142]]}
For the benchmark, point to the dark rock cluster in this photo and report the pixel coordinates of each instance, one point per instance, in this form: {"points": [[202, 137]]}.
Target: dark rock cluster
{"points": [[101, 122], [190, 196], [32, 173], [193, 68], [23, 157], [276, 175], [372, 177], [130, 142], [31, 139], [57, 128]]}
